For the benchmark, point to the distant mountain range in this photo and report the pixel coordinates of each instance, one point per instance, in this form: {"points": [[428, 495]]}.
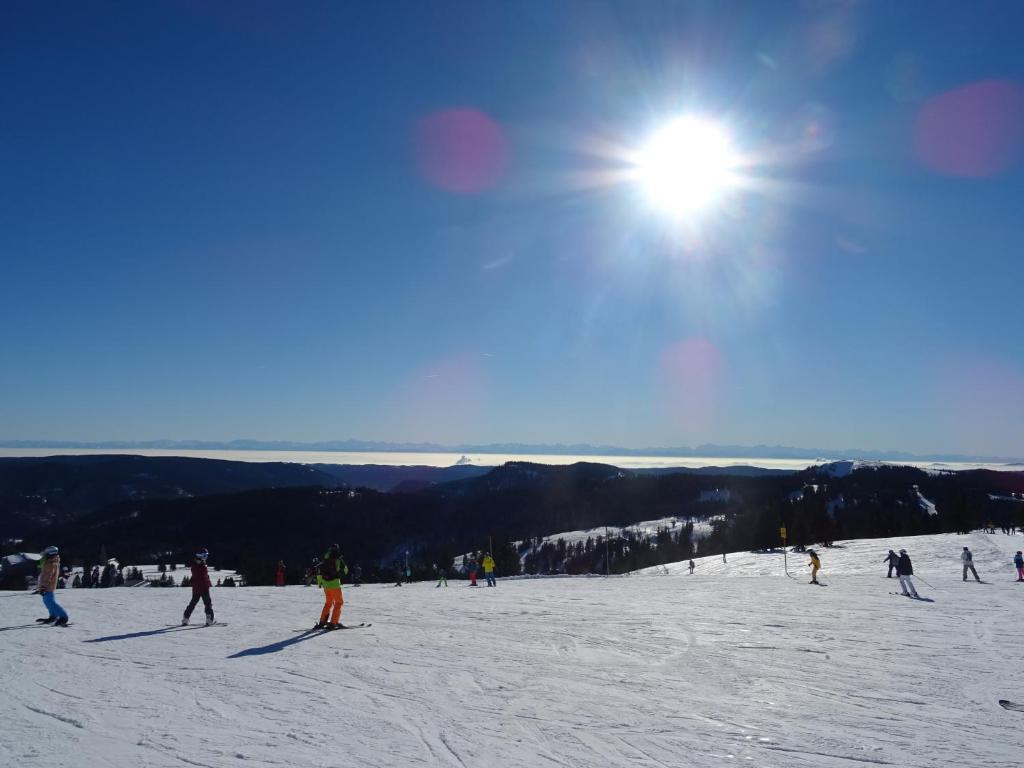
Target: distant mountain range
{"points": [[524, 449]]}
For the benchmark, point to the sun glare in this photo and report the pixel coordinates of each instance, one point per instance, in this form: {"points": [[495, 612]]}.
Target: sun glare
{"points": [[687, 167]]}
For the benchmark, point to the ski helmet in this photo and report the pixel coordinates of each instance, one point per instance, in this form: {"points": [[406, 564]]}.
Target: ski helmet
{"points": [[202, 554], [334, 548], [51, 551]]}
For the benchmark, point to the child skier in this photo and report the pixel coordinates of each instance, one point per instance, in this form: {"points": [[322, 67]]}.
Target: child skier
{"points": [[968, 560], [472, 567], [692, 566], [49, 570], [331, 570], [893, 560], [488, 564], [815, 565], [1018, 561], [200, 588], [442, 576], [904, 570]]}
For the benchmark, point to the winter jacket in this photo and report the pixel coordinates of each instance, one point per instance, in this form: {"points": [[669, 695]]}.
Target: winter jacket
{"points": [[904, 568], [488, 564], [200, 577], [1018, 561], [892, 558], [49, 570], [331, 571], [966, 556], [815, 561]]}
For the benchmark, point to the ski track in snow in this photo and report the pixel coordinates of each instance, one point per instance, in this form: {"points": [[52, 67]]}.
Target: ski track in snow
{"points": [[736, 663]]}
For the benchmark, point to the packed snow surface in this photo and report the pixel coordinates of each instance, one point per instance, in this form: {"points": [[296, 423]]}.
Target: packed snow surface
{"points": [[736, 664]]}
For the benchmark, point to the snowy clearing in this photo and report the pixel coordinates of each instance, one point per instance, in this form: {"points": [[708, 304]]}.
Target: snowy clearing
{"points": [[642, 670]]}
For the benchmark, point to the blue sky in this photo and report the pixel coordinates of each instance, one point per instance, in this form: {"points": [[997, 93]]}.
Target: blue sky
{"points": [[405, 221]]}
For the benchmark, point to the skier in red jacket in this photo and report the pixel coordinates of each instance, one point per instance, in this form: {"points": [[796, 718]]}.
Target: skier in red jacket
{"points": [[200, 588]]}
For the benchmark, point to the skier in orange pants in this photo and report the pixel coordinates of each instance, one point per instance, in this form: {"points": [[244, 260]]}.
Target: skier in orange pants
{"points": [[331, 570]]}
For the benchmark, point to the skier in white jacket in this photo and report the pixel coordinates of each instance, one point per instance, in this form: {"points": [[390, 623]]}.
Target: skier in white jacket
{"points": [[968, 560]]}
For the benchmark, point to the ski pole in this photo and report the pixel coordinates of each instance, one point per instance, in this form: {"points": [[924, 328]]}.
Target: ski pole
{"points": [[925, 582]]}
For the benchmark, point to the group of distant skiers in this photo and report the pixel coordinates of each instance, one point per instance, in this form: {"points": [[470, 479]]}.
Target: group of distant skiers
{"points": [[331, 569]]}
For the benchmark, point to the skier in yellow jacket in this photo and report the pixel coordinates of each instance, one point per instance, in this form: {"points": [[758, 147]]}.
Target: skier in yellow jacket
{"points": [[488, 564], [48, 573], [332, 569], [815, 566]]}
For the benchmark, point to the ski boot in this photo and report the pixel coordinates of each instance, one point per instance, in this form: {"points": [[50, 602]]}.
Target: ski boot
{"points": [[49, 620], [184, 621], [209, 619], [61, 622]]}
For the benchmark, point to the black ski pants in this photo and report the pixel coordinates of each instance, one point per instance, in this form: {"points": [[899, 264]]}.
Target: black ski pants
{"points": [[196, 597]]}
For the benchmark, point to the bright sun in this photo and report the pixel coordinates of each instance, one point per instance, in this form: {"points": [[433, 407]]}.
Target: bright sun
{"points": [[687, 166]]}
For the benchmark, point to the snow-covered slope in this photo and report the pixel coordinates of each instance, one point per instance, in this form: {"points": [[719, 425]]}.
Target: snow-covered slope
{"points": [[644, 670]]}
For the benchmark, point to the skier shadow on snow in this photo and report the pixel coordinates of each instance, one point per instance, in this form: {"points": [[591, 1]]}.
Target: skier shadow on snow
{"points": [[18, 626], [131, 635], [280, 645]]}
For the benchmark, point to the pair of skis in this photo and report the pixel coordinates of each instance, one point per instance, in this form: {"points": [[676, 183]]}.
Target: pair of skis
{"points": [[323, 630]]}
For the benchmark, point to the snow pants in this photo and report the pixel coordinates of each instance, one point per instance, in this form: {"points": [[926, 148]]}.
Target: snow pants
{"points": [[970, 567], [1020, 574], [472, 578], [908, 586], [56, 612], [332, 605], [814, 573], [442, 579], [892, 567], [204, 595], [489, 575]]}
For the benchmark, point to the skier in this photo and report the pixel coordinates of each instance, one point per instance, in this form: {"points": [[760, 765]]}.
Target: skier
{"points": [[280, 573], [815, 565], [331, 570], [488, 564], [904, 569], [49, 570], [1018, 561], [442, 575], [472, 567], [398, 574], [968, 560], [692, 566], [357, 574], [200, 588], [892, 559]]}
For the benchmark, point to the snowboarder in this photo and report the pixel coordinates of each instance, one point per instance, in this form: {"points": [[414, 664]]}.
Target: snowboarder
{"points": [[814, 565], [904, 570], [968, 560], [49, 570], [331, 570], [472, 568], [280, 573], [488, 564], [200, 588], [1018, 562], [893, 560], [442, 575], [692, 566]]}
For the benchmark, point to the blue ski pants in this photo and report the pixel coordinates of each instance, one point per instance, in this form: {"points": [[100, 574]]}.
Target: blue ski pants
{"points": [[51, 605]]}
